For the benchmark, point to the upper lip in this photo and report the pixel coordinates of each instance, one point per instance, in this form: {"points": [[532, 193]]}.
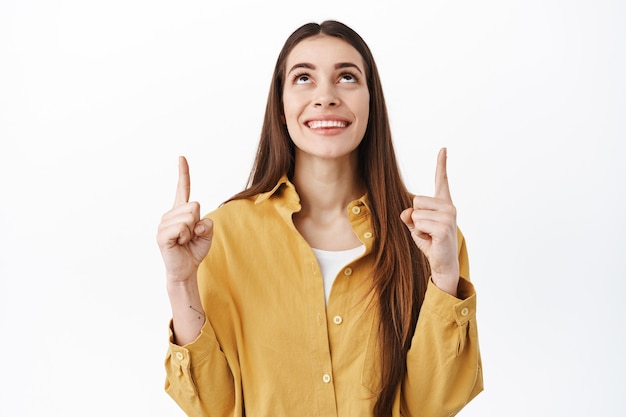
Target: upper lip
{"points": [[327, 119]]}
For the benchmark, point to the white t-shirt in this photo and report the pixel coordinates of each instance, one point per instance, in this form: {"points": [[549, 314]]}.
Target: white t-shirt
{"points": [[331, 262]]}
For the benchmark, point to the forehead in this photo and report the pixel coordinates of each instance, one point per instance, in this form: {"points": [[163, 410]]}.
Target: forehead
{"points": [[322, 49]]}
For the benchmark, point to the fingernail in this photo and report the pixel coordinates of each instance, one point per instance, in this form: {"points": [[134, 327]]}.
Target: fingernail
{"points": [[200, 229]]}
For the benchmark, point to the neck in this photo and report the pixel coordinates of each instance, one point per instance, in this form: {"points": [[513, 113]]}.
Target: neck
{"points": [[327, 186]]}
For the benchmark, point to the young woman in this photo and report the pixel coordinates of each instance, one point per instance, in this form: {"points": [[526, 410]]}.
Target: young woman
{"points": [[324, 288]]}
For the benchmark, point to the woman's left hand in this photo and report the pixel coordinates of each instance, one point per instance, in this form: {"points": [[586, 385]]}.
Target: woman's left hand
{"points": [[432, 223]]}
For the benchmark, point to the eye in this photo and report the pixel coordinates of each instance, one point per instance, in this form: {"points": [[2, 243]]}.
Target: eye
{"points": [[301, 78], [348, 77]]}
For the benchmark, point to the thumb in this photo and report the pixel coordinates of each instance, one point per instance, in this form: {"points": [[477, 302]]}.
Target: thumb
{"points": [[405, 216], [201, 244], [418, 235], [204, 228]]}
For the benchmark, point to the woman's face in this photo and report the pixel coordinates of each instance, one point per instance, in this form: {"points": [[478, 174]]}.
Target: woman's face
{"points": [[325, 98]]}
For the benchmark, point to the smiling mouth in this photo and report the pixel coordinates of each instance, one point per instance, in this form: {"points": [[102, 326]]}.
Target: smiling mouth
{"points": [[326, 124]]}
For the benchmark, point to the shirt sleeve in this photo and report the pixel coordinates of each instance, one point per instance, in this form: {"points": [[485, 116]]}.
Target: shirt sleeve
{"points": [[444, 368], [199, 378]]}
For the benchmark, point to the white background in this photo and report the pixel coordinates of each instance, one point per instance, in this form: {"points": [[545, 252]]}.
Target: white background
{"points": [[97, 100]]}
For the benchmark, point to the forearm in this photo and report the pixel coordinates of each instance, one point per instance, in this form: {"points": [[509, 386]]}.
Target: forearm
{"points": [[188, 316]]}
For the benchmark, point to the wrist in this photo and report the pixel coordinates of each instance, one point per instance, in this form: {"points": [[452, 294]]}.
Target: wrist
{"points": [[181, 284], [183, 293], [446, 282]]}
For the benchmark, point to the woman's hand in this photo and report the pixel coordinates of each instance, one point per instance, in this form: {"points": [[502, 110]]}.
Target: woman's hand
{"points": [[184, 239], [432, 223]]}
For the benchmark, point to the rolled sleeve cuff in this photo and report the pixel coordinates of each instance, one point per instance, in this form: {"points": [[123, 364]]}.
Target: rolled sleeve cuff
{"points": [[453, 309], [193, 352]]}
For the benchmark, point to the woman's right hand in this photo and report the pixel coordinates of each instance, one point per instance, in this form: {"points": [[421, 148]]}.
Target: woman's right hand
{"points": [[184, 239]]}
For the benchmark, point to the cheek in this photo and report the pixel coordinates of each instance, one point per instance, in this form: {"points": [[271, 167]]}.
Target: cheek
{"points": [[363, 119], [289, 107], [290, 118], [364, 109], [366, 102]]}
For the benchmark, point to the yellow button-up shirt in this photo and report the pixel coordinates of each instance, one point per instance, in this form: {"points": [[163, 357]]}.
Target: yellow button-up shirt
{"points": [[271, 345]]}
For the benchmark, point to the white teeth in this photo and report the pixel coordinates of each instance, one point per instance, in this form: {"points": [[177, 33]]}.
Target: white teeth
{"points": [[317, 124]]}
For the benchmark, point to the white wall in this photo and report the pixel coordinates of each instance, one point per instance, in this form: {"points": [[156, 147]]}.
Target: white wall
{"points": [[97, 100]]}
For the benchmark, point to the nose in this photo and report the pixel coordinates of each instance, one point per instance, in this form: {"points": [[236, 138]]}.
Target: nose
{"points": [[326, 102], [326, 96]]}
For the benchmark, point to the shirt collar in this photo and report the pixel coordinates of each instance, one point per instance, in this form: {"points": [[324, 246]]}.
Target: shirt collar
{"points": [[292, 195], [282, 181]]}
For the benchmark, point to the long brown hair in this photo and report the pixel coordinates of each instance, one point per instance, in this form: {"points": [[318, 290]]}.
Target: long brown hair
{"points": [[400, 271]]}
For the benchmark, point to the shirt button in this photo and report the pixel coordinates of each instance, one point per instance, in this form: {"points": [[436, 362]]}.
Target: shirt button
{"points": [[464, 311], [326, 378], [179, 356], [347, 272], [337, 320], [356, 209], [367, 235]]}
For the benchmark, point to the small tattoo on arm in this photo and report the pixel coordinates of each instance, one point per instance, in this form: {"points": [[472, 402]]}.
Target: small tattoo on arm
{"points": [[197, 311]]}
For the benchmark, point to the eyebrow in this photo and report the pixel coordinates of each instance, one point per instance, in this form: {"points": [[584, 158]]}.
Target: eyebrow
{"points": [[340, 65]]}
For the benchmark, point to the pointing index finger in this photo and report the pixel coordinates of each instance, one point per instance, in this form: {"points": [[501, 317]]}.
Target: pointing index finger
{"points": [[184, 182], [442, 189]]}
